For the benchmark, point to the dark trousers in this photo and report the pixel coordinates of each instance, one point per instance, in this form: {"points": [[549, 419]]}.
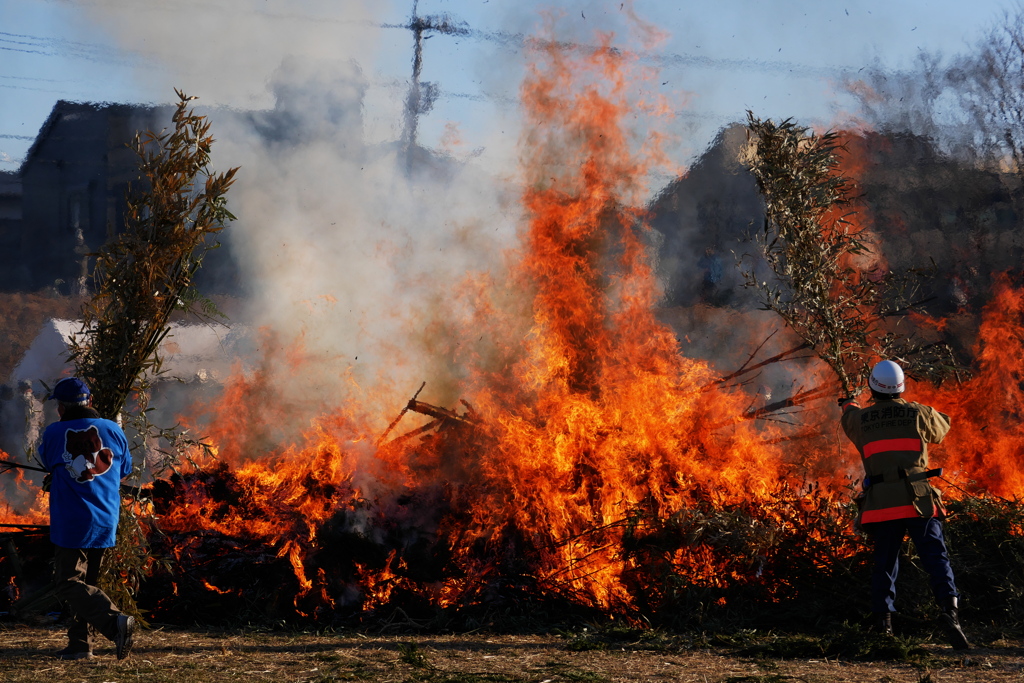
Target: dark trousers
{"points": [[75, 573], [931, 547]]}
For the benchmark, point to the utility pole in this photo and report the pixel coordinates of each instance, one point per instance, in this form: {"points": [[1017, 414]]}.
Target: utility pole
{"points": [[413, 103], [422, 95]]}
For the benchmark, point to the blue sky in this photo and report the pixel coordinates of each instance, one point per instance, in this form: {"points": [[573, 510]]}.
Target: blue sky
{"points": [[779, 58]]}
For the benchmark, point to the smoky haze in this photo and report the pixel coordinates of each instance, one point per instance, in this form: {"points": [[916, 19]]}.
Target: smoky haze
{"points": [[353, 248], [344, 249], [351, 253]]}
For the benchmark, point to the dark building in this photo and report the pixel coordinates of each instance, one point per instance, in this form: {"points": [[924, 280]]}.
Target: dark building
{"points": [[74, 179], [703, 220], [931, 213], [72, 187]]}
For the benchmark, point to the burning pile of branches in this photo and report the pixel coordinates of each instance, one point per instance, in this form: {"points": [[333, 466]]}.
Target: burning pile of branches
{"points": [[592, 469], [583, 435], [409, 559]]}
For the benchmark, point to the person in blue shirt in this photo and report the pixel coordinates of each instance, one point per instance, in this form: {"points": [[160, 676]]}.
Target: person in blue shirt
{"points": [[86, 456]]}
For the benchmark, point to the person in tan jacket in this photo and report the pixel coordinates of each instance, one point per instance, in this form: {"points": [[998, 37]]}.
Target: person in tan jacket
{"points": [[892, 437]]}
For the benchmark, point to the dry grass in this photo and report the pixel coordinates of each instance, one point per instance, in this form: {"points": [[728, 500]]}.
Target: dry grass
{"points": [[177, 655]]}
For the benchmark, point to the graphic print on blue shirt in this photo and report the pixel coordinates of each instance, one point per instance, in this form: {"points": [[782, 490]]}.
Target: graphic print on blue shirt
{"points": [[85, 456]]}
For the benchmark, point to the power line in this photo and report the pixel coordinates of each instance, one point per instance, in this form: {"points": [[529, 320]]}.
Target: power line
{"points": [[29, 52], [36, 78], [57, 47], [26, 87], [445, 24]]}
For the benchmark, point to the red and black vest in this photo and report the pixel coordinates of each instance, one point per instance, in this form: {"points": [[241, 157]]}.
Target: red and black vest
{"points": [[892, 437]]}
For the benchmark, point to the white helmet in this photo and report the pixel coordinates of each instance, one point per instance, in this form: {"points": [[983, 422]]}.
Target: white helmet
{"points": [[887, 378]]}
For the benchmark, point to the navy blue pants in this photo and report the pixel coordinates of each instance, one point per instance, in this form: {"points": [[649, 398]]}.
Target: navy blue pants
{"points": [[931, 547]]}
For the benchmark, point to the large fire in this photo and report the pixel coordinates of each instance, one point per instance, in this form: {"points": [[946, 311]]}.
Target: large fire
{"points": [[585, 438], [590, 417]]}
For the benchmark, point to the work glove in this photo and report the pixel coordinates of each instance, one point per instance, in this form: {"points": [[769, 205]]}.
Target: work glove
{"points": [[47, 480]]}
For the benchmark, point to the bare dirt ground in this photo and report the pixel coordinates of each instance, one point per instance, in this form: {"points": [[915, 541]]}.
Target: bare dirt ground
{"points": [[179, 655]]}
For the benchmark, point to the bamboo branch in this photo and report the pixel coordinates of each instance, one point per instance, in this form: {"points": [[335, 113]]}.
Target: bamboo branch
{"points": [[774, 359]]}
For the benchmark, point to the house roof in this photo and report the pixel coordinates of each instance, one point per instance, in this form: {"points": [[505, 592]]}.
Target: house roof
{"points": [[65, 108]]}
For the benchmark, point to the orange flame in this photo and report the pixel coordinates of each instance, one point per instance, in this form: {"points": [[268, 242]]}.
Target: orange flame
{"points": [[982, 452], [593, 415]]}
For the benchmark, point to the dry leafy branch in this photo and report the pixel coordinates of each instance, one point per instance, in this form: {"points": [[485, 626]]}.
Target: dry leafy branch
{"points": [[809, 242], [147, 272], [141, 277]]}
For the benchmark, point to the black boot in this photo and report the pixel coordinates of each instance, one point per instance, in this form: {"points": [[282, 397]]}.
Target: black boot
{"points": [[883, 623], [951, 625]]}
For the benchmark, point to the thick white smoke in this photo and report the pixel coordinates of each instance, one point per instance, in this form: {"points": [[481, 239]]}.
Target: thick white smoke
{"points": [[350, 243], [348, 248]]}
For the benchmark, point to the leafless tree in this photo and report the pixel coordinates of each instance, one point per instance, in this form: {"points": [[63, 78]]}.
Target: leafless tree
{"points": [[990, 85]]}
